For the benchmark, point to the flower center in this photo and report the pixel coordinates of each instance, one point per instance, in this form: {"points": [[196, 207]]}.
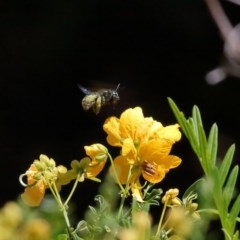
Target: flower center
{"points": [[149, 168]]}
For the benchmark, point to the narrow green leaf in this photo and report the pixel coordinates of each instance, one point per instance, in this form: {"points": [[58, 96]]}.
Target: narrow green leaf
{"points": [[199, 131], [180, 117], [197, 115], [213, 144], [193, 136], [226, 163], [230, 186], [193, 187], [203, 150], [194, 124], [186, 125], [236, 235], [235, 209]]}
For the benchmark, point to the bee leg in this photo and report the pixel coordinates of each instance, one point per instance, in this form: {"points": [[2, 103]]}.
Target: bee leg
{"points": [[98, 104]]}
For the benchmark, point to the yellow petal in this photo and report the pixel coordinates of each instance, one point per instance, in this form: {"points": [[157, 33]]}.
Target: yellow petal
{"points": [[95, 168], [136, 191], [129, 151], [130, 121], [122, 168], [151, 128], [171, 133], [155, 175], [96, 152], [170, 162], [111, 127], [33, 196], [154, 149]]}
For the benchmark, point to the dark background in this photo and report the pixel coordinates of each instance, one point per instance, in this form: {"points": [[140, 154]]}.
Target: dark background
{"points": [[155, 49]]}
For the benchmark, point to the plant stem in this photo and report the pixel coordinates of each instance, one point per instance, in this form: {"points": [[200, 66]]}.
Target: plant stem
{"points": [[161, 220], [73, 189], [115, 173]]}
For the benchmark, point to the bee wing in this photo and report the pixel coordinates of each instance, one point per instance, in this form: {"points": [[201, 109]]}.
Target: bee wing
{"points": [[84, 90]]}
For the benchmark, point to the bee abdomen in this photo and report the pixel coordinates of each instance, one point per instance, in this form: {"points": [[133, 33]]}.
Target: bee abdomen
{"points": [[88, 101]]}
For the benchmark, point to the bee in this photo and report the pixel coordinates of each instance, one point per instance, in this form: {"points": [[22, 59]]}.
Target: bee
{"points": [[99, 98]]}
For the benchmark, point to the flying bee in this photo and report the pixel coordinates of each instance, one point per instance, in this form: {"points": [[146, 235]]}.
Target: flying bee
{"points": [[99, 98]]}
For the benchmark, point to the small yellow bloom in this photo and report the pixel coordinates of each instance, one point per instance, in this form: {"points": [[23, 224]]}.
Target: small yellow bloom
{"points": [[11, 215], [180, 224], [42, 174], [140, 229], [35, 191], [98, 154], [37, 229], [170, 197], [145, 147]]}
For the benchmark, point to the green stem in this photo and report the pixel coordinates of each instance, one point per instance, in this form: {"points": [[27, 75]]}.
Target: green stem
{"points": [[121, 205], [58, 199], [208, 210], [115, 173], [73, 189], [124, 193], [161, 220]]}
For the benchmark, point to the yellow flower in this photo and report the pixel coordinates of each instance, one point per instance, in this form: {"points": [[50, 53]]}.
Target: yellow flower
{"points": [[145, 147], [42, 174], [140, 229], [98, 154], [35, 191], [37, 229], [170, 197]]}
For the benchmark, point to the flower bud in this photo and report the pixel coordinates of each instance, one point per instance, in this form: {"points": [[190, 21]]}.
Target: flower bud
{"points": [[97, 152]]}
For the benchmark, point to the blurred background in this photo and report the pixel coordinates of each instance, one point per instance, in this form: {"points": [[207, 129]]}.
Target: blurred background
{"points": [[154, 49]]}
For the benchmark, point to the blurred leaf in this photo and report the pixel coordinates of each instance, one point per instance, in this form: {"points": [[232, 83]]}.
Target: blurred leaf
{"points": [[235, 209], [62, 237], [193, 187]]}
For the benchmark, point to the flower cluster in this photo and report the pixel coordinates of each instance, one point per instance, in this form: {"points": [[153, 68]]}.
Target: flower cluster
{"points": [[145, 146], [181, 214], [44, 173], [143, 161]]}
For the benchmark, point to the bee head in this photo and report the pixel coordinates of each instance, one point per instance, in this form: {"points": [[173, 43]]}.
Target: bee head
{"points": [[115, 96]]}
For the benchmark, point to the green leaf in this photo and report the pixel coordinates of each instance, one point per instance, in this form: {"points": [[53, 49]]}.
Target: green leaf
{"points": [[93, 210], [203, 149], [186, 125], [151, 197], [213, 144], [179, 116], [235, 209], [197, 116], [226, 163], [230, 186], [62, 237], [236, 235], [193, 136], [193, 187]]}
